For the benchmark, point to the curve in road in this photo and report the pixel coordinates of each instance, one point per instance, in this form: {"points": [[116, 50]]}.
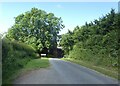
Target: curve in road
{"points": [[64, 72]]}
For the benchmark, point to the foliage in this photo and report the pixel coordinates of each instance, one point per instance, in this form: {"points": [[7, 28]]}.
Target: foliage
{"points": [[15, 56], [67, 42], [33, 31], [96, 41], [36, 28]]}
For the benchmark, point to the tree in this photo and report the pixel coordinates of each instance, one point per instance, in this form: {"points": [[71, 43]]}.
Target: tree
{"points": [[36, 28], [95, 41]]}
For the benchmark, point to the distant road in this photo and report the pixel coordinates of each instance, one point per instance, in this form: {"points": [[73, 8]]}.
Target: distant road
{"points": [[63, 72]]}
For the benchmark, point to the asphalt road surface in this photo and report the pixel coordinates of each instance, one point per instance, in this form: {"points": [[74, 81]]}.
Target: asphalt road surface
{"points": [[63, 72]]}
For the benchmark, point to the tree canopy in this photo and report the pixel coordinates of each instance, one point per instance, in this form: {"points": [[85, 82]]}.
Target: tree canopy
{"points": [[99, 37], [36, 28]]}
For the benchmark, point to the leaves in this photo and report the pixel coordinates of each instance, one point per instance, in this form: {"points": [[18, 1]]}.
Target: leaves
{"points": [[94, 41], [36, 28]]}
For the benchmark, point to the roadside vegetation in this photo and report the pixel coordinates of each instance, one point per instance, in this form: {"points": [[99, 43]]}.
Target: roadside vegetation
{"points": [[32, 65], [18, 58], [96, 42], [37, 63], [91, 65], [14, 57], [34, 32]]}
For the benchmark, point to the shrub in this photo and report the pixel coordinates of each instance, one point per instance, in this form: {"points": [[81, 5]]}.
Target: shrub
{"points": [[14, 56]]}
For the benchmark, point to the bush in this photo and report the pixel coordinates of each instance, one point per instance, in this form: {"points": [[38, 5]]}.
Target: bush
{"points": [[97, 56], [14, 56]]}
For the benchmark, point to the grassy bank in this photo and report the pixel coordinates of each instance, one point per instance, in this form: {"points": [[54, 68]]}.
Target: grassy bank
{"points": [[32, 65], [17, 57], [106, 71], [14, 56]]}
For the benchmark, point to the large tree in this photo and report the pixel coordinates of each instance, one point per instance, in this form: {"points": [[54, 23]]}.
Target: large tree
{"points": [[36, 28]]}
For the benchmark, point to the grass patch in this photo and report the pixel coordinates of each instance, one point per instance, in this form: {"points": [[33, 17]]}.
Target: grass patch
{"points": [[37, 63], [111, 73], [31, 65]]}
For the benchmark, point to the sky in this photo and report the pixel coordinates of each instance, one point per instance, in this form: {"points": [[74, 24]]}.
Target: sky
{"points": [[72, 13]]}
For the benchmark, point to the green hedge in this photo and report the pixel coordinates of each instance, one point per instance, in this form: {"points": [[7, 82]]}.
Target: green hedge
{"points": [[14, 56], [95, 55]]}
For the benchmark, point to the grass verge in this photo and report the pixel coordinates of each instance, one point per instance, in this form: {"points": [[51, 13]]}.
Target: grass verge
{"points": [[37, 63], [31, 65], [111, 73]]}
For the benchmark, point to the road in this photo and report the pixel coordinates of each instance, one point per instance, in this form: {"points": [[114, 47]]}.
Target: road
{"points": [[63, 72]]}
